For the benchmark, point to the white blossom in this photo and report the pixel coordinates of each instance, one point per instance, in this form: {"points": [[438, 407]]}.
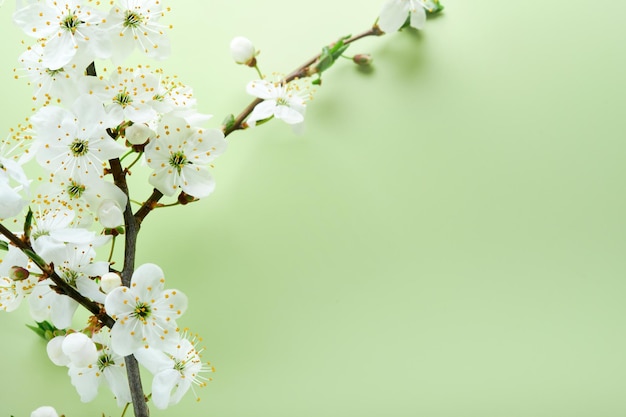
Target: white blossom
{"points": [[145, 313], [105, 366], [127, 94], [180, 155], [134, 23], [16, 280], [75, 264], [395, 12], [282, 101], [51, 85], [68, 27], [175, 369], [75, 143]]}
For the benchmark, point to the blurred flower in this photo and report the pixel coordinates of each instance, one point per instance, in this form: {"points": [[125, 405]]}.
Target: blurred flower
{"points": [[395, 12]]}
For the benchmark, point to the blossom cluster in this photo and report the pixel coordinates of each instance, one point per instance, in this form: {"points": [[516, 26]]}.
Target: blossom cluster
{"points": [[89, 117], [93, 125]]}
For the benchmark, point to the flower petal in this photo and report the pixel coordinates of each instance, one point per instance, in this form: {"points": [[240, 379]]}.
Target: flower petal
{"points": [[393, 15]]}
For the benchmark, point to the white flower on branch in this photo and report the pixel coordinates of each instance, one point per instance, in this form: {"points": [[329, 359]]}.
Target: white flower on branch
{"points": [[70, 30], [16, 280], [76, 265], [14, 184], [282, 101], [395, 12], [180, 155], [104, 366], [75, 143], [50, 85], [127, 94], [145, 313], [175, 370], [133, 23]]}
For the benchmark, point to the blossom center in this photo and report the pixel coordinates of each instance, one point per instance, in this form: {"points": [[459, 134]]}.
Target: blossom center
{"points": [[142, 311], [104, 361], [123, 98], [70, 22], [75, 190], [178, 160], [70, 277], [55, 72], [179, 365], [132, 19], [79, 147], [281, 101]]}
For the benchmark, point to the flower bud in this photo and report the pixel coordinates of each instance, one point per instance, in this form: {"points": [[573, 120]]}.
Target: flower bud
{"points": [[138, 134], [243, 51], [55, 351], [80, 349], [110, 281], [45, 411], [110, 214], [17, 273], [362, 59]]}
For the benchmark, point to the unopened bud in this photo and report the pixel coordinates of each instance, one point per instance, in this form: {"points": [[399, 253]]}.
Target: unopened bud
{"points": [[110, 214], [80, 349], [18, 273], [138, 134], [110, 281], [362, 59], [55, 351], [243, 51], [184, 198]]}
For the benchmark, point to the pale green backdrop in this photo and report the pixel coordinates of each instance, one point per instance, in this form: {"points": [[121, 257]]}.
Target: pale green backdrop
{"points": [[447, 238]]}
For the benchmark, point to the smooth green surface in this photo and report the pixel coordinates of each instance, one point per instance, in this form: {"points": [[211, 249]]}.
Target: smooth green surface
{"points": [[447, 238]]}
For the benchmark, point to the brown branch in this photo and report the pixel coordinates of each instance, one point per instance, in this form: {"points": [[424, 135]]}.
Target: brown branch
{"points": [[148, 206], [131, 226], [62, 286], [302, 71]]}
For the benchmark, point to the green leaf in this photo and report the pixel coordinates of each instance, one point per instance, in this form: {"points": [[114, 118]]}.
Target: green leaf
{"points": [[28, 224], [4, 245], [34, 257], [46, 330], [41, 333], [330, 54]]}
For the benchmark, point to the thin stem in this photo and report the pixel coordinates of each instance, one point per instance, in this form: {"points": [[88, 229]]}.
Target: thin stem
{"points": [[258, 71], [112, 249], [301, 72], [124, 410], [126, 154], [134, 162]]}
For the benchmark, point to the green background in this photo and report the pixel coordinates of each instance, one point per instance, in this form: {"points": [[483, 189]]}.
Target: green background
{"points": [[446, 239]]}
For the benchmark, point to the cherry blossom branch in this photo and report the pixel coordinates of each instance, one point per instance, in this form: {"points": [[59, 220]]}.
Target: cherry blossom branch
{"points": [[62, 287], [131, 225], [303, 71]]}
